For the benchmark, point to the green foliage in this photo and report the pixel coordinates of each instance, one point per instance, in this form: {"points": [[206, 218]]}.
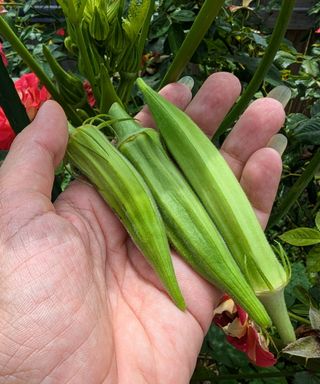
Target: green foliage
{"points": [[25, 19]]}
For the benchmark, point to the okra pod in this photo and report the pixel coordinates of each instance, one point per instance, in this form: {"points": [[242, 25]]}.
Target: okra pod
{"points": [[127, 194], [225, 201], [189, 228]]}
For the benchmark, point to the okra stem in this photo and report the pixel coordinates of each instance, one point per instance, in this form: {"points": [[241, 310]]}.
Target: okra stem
{"points": [[275, 304]]}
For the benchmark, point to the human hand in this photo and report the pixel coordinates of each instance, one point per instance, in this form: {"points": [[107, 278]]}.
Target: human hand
{"points": [[78, 302]]}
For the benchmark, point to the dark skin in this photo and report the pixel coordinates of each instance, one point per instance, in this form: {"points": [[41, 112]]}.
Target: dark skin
{"points": [[78, 302]]}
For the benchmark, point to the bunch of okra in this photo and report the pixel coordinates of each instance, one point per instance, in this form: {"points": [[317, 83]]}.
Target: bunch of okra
{"points": [[172, 186]]}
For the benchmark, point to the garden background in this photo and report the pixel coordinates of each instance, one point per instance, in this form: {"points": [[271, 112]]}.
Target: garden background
{"points": [[237, 42]]}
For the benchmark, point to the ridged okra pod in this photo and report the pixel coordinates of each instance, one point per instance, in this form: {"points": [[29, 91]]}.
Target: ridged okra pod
{"points": [[225, 201], [127, 194], [189, 228]]}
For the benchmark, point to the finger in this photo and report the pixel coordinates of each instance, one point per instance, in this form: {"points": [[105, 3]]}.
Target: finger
{"points": [[213, 101], [179, 94], [35, 152], [260, 179], [262, 119]]}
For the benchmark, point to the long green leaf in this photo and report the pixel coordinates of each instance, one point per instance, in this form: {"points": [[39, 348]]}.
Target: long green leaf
{"points": [[200, 26], [10, 102], [262, 70]]}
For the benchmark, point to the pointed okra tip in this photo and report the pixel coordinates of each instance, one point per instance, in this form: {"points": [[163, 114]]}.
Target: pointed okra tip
{"points": [[141, 83], [145, 89]]}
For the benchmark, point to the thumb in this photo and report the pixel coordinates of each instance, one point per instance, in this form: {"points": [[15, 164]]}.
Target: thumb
{"points": [[35, 152]]}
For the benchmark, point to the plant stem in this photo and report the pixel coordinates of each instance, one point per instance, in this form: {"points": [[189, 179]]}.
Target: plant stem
{"points": [[127, 79], [299, 318], [265, 63], [108, 93], [83, 50], [26, 56], [144, 32], [276, 307], [200, 26], [296, 190]]}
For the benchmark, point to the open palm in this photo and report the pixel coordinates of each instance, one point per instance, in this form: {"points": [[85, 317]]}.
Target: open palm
{"points": [[78, 302]]}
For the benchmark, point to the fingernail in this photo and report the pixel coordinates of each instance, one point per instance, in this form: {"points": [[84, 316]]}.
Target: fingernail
{"points": [[187, 81], [281, 93], [278, 142]]}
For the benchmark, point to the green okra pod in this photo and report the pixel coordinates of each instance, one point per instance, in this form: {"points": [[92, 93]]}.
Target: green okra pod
{"points": [[127, 194], [225, 201], [189, 227]]}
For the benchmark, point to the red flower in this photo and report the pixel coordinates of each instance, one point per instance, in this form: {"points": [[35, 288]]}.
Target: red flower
{"points": [[242, 333], [6, 133], [90, 96], [32, 96], [317, 31], [3, 56], [60, 32]]}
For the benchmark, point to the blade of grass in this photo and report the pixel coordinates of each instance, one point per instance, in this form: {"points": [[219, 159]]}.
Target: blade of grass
{"points": [[264, 65], [200, 26]]}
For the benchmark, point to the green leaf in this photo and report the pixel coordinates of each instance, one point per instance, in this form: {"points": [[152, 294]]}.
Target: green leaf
{"points": [[315, 109], [308, 131], [260, 40], [301, 236], [299, 278], [220, 350], [273, 76], [284, 59], [314, 316], [183, 15], [160, 27], [307, 347], [202, 373], [3, 154], [311, 67], [175, 38], [306, 377], [313, 260], [317, 220], [10, 101]]}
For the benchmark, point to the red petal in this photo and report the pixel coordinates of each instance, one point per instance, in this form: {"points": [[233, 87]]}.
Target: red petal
{"points": [[240, 344], [6, 133], [257, 353], [251, 345], [3, 56], [242, 314], [60, 32]]}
